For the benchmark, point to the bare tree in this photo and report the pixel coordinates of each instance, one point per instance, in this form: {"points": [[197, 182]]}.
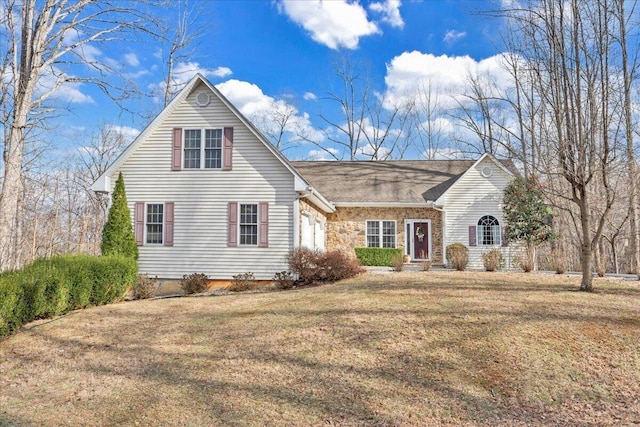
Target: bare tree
{"points": [[179, 36], [480, 111], [43, 41], [368, 125], [628, 66], [570, 47], [427, 117]]}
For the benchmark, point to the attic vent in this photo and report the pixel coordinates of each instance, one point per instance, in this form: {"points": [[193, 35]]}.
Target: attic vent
{"points": [[487, 171], [203, 99]]}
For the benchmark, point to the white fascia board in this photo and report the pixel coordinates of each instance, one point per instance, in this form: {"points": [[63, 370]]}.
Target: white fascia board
{"points": [[102, 184], [428, 204]]}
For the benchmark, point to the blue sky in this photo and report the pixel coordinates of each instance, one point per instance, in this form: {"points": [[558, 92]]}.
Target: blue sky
{"points": [[261, 52]]}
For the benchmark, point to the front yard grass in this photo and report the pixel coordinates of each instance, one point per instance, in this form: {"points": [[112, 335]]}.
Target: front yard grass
{"points": [[424, 349]]}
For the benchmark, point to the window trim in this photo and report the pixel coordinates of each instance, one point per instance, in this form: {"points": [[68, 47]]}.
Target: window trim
{"points": [[164, 224], [381, 228], [203, 149], [480, 229], [257, 224]]}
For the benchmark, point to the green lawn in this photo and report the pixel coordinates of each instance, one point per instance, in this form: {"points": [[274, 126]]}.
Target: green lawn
{"points": [[423, 349]]}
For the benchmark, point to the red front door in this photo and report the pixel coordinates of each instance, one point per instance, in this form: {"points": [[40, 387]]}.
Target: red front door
{"points": [[421, 240]]}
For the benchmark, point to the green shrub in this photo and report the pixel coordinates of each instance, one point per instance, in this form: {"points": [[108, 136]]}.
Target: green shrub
{"points": [[194, 283], [492, 260], [117, 234], [312, 266], [49, 287], [11, 305], [242, 282], [378, 256], [457, 256]]}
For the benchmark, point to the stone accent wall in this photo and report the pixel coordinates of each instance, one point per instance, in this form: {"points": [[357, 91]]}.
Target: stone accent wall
{"points": [[316, 213], [346, 229]]}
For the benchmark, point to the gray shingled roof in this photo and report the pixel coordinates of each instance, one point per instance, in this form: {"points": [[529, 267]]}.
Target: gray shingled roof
{"points": [[391, 181]]}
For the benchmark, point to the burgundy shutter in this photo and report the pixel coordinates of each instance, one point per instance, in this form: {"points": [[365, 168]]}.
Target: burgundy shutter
{"points": [[168, 223], [227, 149], [263, 227], [505, 240], [472, 235], [232, 240], [139, 223], [176, 162]]}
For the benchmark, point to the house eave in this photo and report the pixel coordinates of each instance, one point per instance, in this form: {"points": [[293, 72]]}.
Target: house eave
{"points": [[427, 204]]}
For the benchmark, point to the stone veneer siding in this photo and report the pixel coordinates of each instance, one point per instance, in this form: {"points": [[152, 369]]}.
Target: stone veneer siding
{"points": [[346, 229]]}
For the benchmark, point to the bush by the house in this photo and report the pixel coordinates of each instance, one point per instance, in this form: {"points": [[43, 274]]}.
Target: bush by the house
{"points": [[398, 263], [492, 260], [316, 267], [50, 287], [242, 282], [378, 256], [283, 280], [194, 283], [117, 234], [145, 286], [457, 256], [524, 261]]}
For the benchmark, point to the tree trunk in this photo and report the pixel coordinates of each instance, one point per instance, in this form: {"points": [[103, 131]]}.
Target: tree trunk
{"points": [[10, 197]]}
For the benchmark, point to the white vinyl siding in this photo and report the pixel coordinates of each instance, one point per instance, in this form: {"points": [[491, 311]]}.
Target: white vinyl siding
{"points": [[472, 197], [200, 243]]}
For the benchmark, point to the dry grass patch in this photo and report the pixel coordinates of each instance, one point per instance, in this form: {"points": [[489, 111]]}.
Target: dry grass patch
{"points": [[436, 348]]}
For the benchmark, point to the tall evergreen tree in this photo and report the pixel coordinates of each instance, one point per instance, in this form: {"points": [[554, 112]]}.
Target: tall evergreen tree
{"points": [[117, 234]]}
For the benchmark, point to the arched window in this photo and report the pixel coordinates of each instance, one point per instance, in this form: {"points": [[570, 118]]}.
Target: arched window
{"points": [[488, 231]]}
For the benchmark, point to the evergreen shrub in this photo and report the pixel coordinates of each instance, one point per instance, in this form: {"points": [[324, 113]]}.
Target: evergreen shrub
{"points": [[386, 257]]}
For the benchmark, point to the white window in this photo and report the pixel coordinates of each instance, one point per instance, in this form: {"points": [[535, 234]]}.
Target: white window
{"points": [[154, 222], [381, 234], [202, 148], [248, 224], [488, 231]]}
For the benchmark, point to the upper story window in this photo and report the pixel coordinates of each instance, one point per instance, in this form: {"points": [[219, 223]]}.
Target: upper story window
{"points": [[381, 234], [488, 231], [202, 149]]}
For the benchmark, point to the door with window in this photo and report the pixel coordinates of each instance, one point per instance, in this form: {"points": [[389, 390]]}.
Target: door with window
{"points": [[420, 240]]}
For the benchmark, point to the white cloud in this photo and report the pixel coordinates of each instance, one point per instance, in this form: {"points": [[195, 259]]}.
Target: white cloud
{"points": [[67, 91], [222, 72], [310, 96], [183, 72], [410, 72], [390, 10], [131, 59], [127, 133], [322, 154], [335, 24], [452, 35], [265, 111]]}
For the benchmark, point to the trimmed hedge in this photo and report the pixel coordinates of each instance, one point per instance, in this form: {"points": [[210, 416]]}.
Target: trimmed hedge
{"points": [[50, 287], [378, 256]]}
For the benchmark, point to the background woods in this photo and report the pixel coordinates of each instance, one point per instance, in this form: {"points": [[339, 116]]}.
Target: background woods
{"points": [[560, 100]]}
